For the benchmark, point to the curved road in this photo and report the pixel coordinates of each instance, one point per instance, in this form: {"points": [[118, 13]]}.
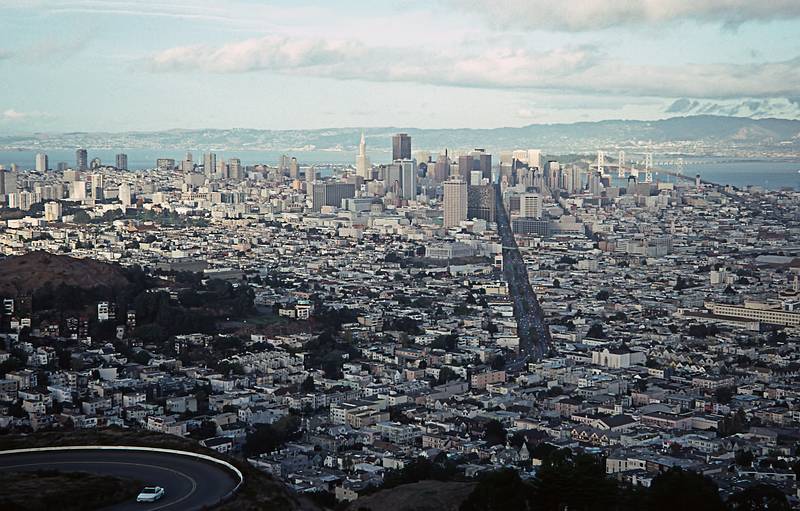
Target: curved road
{"points": [[189, 483]]}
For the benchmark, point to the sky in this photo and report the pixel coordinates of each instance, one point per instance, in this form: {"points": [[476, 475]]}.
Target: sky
{"points": [[122, 65]]}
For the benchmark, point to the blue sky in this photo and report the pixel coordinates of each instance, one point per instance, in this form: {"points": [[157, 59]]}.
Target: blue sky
{"points": [[117, 65]]}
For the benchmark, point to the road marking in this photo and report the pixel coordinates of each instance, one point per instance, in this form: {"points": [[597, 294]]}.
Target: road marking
{"points": [[190, 478]]}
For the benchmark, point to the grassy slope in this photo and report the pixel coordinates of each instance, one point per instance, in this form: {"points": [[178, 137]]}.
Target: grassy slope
{"points": [[67, 491]]}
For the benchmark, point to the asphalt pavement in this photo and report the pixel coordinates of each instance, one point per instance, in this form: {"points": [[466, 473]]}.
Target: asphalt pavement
{"points": [[189, 483]]}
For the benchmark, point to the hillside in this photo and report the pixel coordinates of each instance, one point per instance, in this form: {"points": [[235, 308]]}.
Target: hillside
{"points": [[27, 273], [421, 496]]}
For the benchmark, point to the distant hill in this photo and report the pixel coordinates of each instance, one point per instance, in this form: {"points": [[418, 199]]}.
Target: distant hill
{"points": [[26, 273], [740, 132]]}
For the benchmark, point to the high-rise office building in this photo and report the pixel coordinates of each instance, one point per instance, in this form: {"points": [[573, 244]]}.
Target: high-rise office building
{"points": [[362, 161], [2, 185], [221, 169], [408, 179], [530, 205], [235, 168], [595, 183], [98, 183], [535, 158], [41, 162], [311, 174], [476, 160], [294, 168], [52, 211], [283, 165], [572, 179], [81, 159], [441, 170], [552, 174], [77, 190], [481, 202], [209, 164], [187, 165], [401, 147], [330, 194], [455, 201], [125, 194], [122, 161]]}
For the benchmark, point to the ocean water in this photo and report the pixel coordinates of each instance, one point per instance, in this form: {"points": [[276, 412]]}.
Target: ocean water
{"points": [[769, 174]]}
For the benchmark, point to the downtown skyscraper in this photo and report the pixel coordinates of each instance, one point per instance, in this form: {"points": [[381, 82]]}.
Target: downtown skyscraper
{"points": [[401, 147]]}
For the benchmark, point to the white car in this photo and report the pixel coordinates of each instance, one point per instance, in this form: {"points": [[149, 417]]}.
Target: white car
{"points": [[150, 494]]}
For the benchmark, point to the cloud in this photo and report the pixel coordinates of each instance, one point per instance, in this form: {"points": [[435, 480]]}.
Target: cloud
{"points": [[264, 53], [583, 69], [12, 115], [5, 54], [50, 49], [584, 15], [498, 67], [750, 107], [680, 106]]}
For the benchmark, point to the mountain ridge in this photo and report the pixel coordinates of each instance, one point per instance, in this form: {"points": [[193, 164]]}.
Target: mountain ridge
{"points": [[740, 132]]}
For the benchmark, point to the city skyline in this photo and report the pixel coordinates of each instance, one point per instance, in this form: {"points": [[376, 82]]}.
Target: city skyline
{"points": [[454, 63]]}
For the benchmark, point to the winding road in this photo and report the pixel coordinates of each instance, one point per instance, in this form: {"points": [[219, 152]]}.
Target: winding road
{"points": [[189, 483]]}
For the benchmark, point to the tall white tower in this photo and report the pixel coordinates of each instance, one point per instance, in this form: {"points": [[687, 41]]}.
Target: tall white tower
{"points": [[362, 162], [621, 164]]}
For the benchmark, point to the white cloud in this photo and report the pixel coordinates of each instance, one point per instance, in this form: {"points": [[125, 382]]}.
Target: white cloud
{"points": [[580, 69], [13, 115], [582, 15], [264, 53]]}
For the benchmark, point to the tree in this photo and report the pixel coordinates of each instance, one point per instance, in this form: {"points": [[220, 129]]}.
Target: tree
{"points": [[445, 375], [498, 363], [445, 342], [723, 395], [566, 481], [81, 217], [596, 331], [760, 497], [494, 433], [602, 295], [744, 458], [502, 489], [681, 489], [307, 385], [265, 438]]}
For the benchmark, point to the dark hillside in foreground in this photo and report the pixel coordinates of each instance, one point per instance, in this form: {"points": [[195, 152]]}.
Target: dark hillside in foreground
{"points": [[27, 273]]}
